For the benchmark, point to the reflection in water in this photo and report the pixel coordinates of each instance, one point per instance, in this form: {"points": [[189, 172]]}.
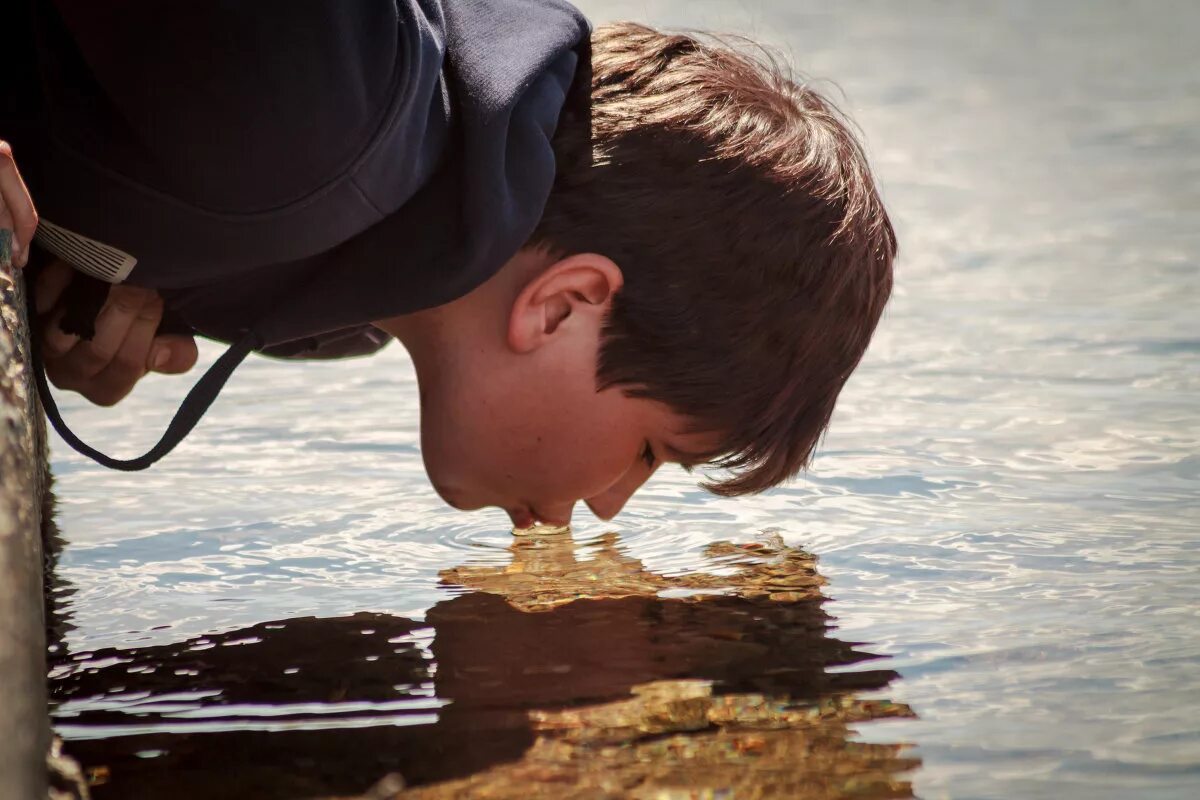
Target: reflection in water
{"points": [[56, 590], [550, 677]]}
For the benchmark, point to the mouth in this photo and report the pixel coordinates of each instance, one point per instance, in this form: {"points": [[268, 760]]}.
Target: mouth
{"points": [[521, 517], [549, 519], [526, 516]]}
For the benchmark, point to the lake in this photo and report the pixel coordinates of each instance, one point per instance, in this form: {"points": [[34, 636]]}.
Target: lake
{"points": [[986, 587]]}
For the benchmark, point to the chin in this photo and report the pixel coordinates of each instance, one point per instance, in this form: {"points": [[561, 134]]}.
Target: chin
{"points": [[456, 497]]}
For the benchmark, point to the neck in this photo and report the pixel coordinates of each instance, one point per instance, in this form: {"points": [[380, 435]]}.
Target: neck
{"points": [[466, 327], [427, 335]]}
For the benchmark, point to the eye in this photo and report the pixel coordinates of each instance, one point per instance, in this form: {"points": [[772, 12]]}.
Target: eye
{"points": [[648, 455]]}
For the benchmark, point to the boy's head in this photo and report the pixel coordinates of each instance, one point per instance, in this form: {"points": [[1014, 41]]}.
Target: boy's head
{"points": [[705, 282]]}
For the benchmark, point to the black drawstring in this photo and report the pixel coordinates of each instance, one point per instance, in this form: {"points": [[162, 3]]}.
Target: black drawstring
{"points": [[190, 410]]}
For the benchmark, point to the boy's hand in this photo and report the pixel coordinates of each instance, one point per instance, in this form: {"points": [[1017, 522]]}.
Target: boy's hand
{"points": [[16, 208], [124, 348]]}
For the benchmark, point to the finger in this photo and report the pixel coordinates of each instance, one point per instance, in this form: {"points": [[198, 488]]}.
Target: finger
{"points": [[178, 354], [50, 284], [15, 196], [124, 303], [55, 342], [128, 365]]}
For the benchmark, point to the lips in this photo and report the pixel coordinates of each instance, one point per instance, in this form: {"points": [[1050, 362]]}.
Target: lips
{"points": [[528, 515], [550, 519], [521, 517]]}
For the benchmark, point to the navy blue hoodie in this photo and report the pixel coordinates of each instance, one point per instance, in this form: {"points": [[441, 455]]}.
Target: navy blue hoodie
{"points": [[286, 171]]}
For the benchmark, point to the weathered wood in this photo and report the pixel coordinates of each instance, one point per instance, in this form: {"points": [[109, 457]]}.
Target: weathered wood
{"points": [[24, 726]]}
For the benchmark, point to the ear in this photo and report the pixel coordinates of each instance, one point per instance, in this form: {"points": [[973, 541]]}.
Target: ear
{"points": [[568, 296]]}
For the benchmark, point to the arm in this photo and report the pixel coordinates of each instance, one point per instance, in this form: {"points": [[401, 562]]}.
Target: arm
{"points": [[124, 346], [217, 106]]}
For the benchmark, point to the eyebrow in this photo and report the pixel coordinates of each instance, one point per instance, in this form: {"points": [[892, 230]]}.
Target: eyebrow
{"points": [[685, 459]]}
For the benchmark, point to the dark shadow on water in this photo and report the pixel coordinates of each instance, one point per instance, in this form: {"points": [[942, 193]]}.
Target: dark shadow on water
{"points": [[550, 677], [56, 592]]}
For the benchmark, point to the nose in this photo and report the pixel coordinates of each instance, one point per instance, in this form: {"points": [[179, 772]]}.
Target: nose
{"points": [[608, 505]]}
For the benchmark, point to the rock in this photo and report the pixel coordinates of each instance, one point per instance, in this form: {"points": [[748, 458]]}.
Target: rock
{"points": [[24, 727]]}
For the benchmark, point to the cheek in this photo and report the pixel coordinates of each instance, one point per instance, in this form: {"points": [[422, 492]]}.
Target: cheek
{"points": [[455, 440], [549, 445], [492, 448], [574, 475], [437, 448], [582, 453]]}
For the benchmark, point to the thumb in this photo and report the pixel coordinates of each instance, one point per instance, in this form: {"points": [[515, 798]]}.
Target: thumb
{"points": [[172, 354]]}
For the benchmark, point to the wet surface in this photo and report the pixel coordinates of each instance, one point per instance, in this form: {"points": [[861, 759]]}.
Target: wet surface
{"points": [[577, 670], [1006, 505]]}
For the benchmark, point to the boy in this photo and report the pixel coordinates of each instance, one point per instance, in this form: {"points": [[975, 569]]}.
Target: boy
{"points": [[659, 250]]}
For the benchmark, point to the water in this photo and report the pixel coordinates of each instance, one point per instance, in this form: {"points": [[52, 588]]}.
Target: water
{"points": [[1006, 505]]}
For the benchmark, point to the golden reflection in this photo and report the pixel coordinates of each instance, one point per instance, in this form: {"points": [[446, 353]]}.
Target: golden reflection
{"points": [[540, 529], [572, 671], [679, 738], [545, 572]]}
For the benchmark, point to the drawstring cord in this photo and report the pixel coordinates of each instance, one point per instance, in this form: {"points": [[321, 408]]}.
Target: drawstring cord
{"points": [[190, 410]]}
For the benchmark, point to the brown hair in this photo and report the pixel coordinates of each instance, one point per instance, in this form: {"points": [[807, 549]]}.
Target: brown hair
{"points": [[756, 252]]}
